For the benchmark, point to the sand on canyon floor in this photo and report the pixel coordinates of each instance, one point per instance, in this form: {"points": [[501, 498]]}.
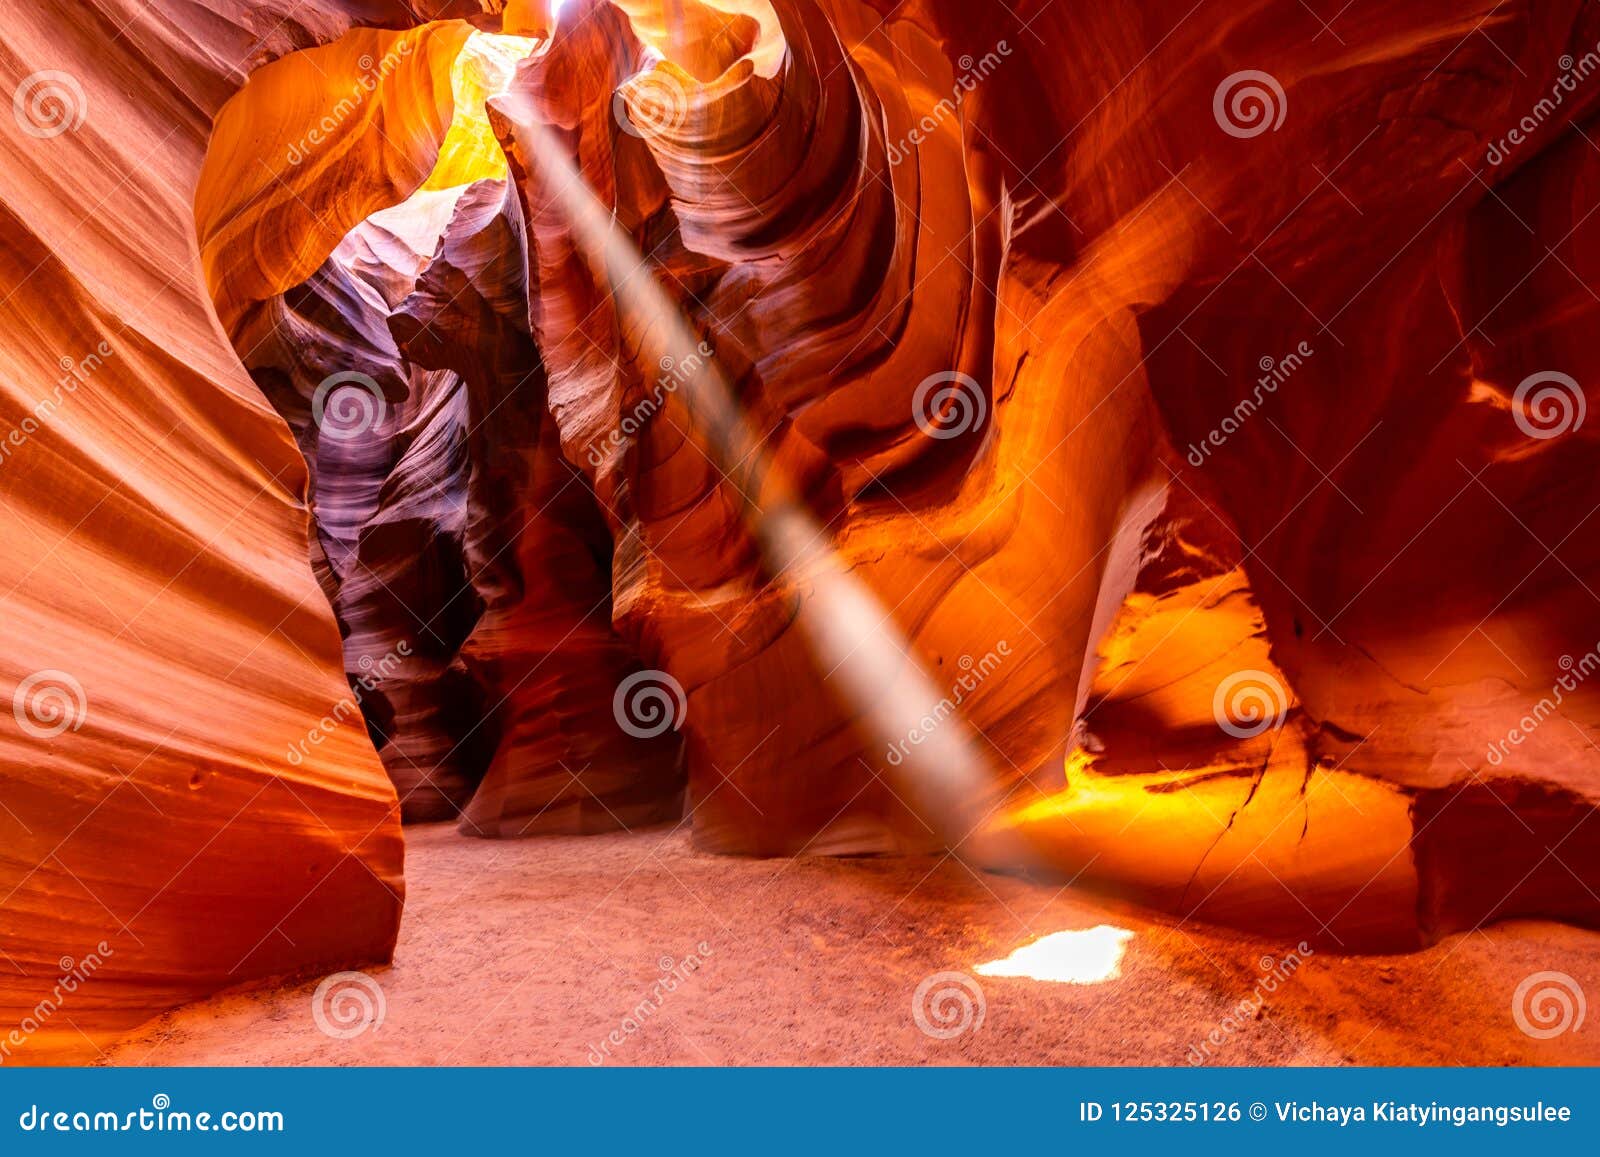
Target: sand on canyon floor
{"points": [[536, 951]]}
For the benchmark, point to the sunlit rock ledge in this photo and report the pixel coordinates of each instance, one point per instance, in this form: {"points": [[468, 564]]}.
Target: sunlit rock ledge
{"points": [[311, 372]]}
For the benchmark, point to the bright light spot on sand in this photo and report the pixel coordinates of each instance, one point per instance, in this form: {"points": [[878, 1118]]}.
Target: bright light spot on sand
{"points": [[1089, 956]]}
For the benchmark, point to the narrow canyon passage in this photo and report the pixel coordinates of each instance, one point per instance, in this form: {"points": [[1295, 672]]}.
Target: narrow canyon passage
{"points": [[849, 484]]}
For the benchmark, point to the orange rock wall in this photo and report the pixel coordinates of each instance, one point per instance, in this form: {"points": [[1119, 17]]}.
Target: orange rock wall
{"points": [[166, 642]]}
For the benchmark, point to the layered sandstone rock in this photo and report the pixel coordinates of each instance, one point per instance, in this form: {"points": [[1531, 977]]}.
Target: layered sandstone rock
{"points": [[168, 646], [445, 510], [1196, 399], [1088, 309], [386, 444], [544, 658]]}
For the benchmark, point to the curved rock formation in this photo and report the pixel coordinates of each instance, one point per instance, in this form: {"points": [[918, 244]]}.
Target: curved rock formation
{"points": [[543, 654], [387, 442], [850, 260], [1388, 467], [1140, 445], [168, 649], [443, 505]]}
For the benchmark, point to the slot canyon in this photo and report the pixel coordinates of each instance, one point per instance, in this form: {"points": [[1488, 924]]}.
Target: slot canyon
{"points": [[799, 531]]}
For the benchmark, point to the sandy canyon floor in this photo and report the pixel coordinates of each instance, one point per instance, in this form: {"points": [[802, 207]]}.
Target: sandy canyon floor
{"points": [[532, 952]]}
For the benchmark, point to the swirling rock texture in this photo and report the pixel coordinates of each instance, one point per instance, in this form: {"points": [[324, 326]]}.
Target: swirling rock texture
{"points": [[387, 448], [1220, 631], [543, 653], [406, 368], [1201, 392], [167, 644], [1409, 516]]}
